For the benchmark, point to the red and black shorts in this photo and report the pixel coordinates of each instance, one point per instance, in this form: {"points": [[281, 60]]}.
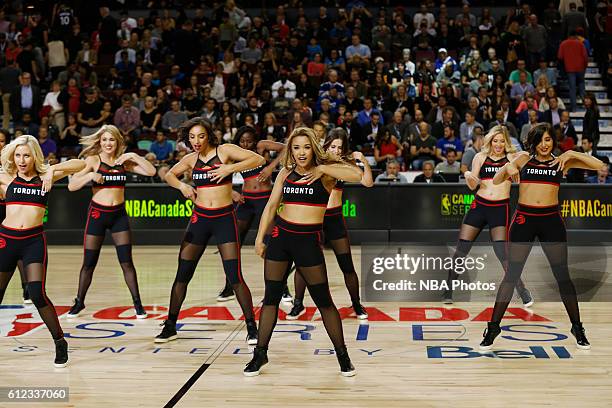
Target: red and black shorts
{"points": [[253, 206], [205, 223], [544, 223], [29, 245], [494, 213], [334, 226], [300, 243], [103, 217]]}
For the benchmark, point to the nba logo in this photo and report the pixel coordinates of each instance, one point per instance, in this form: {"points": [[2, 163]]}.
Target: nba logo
{"points": [[445, 205]]}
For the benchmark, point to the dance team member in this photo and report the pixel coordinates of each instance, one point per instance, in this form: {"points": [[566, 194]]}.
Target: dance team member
{"points": [[212, 168], [491, 205], [255, 191], [538, 216], [5, 137], [334, 228], [303, 185], [106, 167], [25, 182]]}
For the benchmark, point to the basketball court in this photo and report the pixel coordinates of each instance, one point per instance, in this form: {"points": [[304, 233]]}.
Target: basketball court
{"points": [[406, 354]]}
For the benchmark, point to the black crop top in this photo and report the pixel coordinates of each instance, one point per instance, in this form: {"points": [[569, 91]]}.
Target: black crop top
{"points": [[200, 175], [250, 173], [22, 192], [536, 171], [314, 194], [490, 167], [114, 176]]}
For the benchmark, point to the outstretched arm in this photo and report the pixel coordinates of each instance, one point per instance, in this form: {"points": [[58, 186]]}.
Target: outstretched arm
{"points": [[136, 164], [80, 179]]}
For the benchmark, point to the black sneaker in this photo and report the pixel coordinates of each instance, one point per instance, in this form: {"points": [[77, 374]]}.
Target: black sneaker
{"points": [[226, 294], [168, 332], [77, 308], [251, 332], [581, 340], [297, 310], [490, 333], [360, 311], [260, 358], [140, 312], [287, 298], [61, 353], [525, 295], [447, 297], [346, 367], [26, 297]]}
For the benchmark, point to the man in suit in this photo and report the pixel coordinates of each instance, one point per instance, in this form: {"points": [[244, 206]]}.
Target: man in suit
{"points": [[566, 126], [428, 175], [499, 116], [448, 120], [553, 114], [25, 98]]}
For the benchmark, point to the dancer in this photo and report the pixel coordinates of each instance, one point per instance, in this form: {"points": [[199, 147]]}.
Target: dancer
{"points": [[106, 165], [491, 205], [303, 185], [334, 228], [5, 137], [212, 167], [255, 192], [25, 181], [537, 215]]}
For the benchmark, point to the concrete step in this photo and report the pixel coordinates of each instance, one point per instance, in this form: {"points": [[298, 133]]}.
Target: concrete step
{"points": [[600, 88], [592, 64], [592, 70], [580, 115], [601, 100], [592, 75]]}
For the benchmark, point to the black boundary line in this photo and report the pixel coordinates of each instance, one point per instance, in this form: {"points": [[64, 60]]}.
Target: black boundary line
{"points": [[196, 376]]}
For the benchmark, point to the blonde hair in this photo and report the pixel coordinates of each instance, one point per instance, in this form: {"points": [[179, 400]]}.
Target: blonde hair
{"points": [[320, 156], [488, 139], [91, 143], [7, 157]]}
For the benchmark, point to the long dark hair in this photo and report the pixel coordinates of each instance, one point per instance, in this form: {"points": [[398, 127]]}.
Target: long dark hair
{"points": [[334, 134], [184, 129], [245, 129], [535, 135]]}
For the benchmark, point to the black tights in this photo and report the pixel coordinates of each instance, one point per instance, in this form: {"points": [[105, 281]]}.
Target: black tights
{"points": [[275, 275], [123, 246], [467, 236], [342, 250], [35, 274], [556, 254], [189, 256]]}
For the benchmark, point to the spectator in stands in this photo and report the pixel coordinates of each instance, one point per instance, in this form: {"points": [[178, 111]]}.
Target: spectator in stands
{"points": [[546, 71], [25, 98], [550, 93], [370, 130], [90, 113], [358, 53], [428, 175], [521, 88], [450, 165], [46, 143], [423, 148], [332, 83], [564, 142], [573, 19], [173, 119], [127, 117], [387, 147], [516, 74], [533, 121], [553, 114], [573, 55], [365, 116], [590, 123], [161, 148], [443, 60], [536, 37], [449, 116], [391, 174], [70, 135], [9, 81], [466, 130], [566, 126], [449, 141], [286, 84], [603, 176]]}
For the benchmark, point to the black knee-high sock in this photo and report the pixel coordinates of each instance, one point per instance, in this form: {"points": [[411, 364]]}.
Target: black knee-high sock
{"points": [[567, 290]]}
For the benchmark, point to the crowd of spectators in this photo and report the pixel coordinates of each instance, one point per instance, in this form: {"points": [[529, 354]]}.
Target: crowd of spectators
{"points": [[415, 88]]}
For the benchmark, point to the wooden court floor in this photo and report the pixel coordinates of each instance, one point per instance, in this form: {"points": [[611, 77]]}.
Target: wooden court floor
{"points": [[406, 354]]}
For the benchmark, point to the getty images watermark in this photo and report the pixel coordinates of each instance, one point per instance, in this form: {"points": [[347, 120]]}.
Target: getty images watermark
{"points": [[423, 272]]}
